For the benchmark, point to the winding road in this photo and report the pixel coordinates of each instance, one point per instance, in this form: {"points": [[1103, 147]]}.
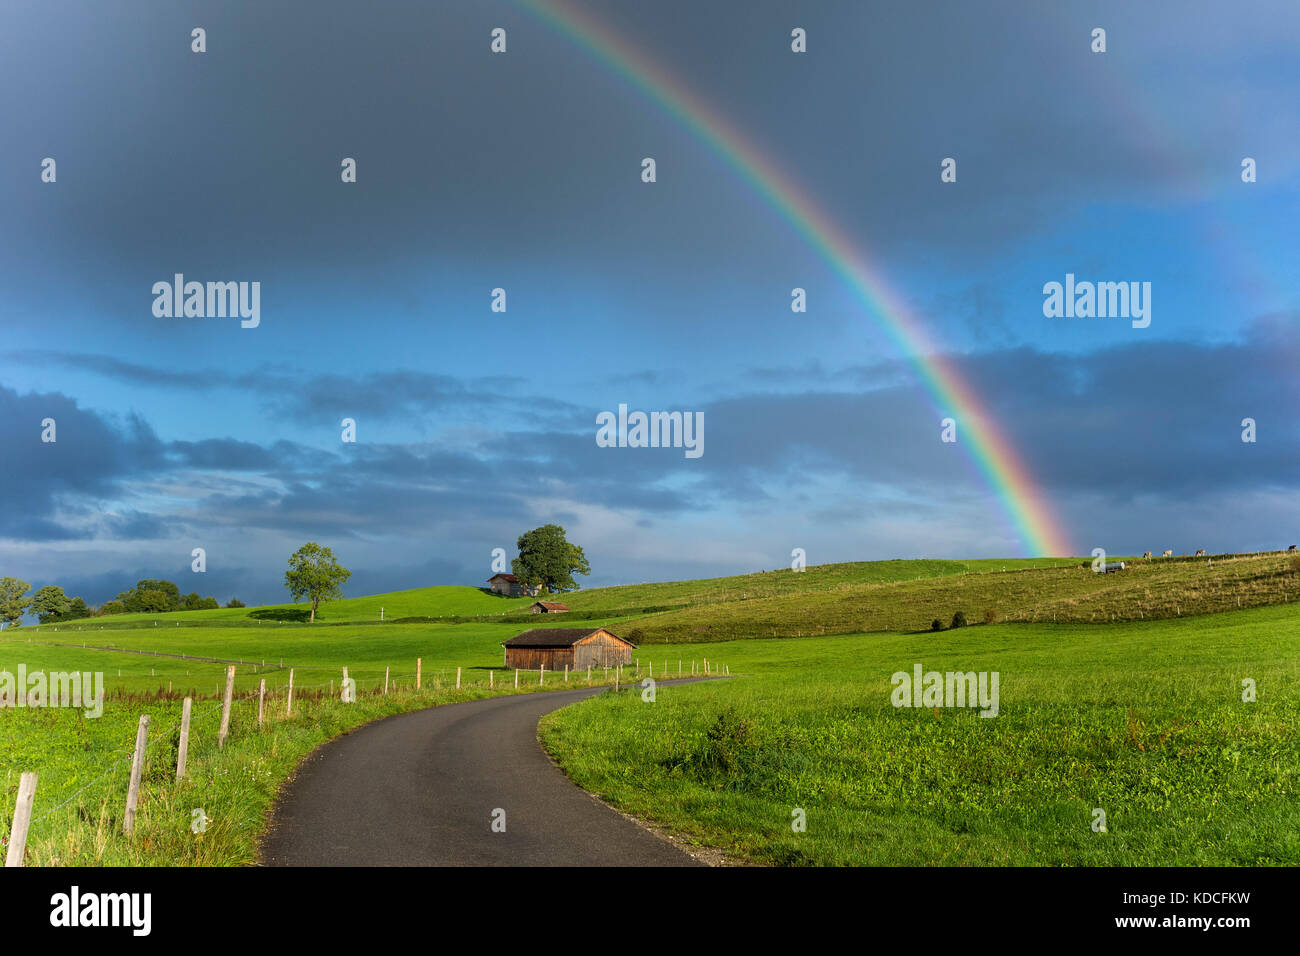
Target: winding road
{"points": [[421, 789]]}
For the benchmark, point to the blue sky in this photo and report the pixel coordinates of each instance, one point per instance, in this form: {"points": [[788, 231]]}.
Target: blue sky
{"points": [[522, 171]]}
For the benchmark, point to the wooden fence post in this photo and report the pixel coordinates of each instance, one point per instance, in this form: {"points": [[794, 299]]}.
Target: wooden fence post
{"points": [[541, 676], [137, 768], [385, 680], [491, 674], [418, 662], [225, 707], [288, 706], [588, 674], [516, 677], [22, 819], [261, 700], [458, 678], [183, 752], [566, 673]]}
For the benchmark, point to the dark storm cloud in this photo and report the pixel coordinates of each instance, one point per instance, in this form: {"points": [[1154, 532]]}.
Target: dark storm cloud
{"points": [[228, 454], [1149, 418], [89, 456], [1036, 121], [1087, 423], [384, 396]]}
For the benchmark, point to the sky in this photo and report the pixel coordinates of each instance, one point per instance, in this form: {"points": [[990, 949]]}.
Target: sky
{"points": [[522, 171]]}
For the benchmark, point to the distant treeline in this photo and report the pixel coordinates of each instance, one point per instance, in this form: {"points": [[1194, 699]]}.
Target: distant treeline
{"points": [[52, 605]]}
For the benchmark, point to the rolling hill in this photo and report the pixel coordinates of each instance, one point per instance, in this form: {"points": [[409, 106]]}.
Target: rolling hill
{"points": [[825, 599]]}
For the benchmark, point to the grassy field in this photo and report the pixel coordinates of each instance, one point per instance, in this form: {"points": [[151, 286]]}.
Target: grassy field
{"points": [[441, 601], [1143, 720], [822, 600], [1097, 712], [1159, 588], [84, 764]]}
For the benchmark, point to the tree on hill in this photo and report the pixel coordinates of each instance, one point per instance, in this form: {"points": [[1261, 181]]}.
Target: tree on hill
{"points": [[315, 574], [162, 596], [14, 600], [546, 558], [50, 604], [193, 602], [235, 602]]}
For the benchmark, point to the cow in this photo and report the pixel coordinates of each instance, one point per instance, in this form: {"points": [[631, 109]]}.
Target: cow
{"points": [[1199, 553], [1147, 554], [1292, 548], [1168, 553]]}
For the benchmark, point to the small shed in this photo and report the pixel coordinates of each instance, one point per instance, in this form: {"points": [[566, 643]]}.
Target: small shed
{"points": [[548, 607], [575, 647]]}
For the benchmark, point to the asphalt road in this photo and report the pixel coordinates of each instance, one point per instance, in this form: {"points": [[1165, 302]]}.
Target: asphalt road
{"points": [[420, 789]]}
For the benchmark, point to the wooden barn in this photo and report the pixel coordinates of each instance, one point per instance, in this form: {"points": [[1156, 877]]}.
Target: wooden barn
{"points": [[509, 585], [575, 647], [547, 607]]}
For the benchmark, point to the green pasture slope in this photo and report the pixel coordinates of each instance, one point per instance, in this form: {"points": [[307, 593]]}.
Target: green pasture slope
{"points": [[809, 718], [1143, 720], [441, 601]]}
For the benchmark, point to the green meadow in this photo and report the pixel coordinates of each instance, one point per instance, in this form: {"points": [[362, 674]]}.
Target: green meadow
{"points": [[83, 763], [1130, 703], [1144, 721]]}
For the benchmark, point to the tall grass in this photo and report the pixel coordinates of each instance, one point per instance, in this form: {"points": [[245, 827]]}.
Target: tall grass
{"points": [[1144, 721], [84, 765]]}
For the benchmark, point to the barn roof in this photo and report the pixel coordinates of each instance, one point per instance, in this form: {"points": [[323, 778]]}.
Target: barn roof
{"points": [[509, 577], [557, 637], [551, 605]]}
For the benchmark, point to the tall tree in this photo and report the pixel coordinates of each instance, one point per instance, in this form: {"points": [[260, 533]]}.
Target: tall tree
{"points": [[51, 604], [14, 600], [546, 558], [315, 574]]}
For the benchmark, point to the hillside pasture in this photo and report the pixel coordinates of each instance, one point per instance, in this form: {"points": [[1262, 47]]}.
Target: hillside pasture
{"points": [[1144, 721], [1158, 588]]}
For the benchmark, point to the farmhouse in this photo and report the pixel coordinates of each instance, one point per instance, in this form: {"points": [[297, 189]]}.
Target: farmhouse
{"points": [[548, 607], [575, 647], [509, 585]]}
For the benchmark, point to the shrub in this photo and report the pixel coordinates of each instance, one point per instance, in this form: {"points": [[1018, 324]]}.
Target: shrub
{"points": [[991, 616], [936, 625], [1295, 564], [730, 741], [235, 602], [959, 619]]}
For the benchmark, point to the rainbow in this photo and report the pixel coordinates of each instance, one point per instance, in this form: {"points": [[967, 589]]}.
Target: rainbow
{"points": [[990, 450]]}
